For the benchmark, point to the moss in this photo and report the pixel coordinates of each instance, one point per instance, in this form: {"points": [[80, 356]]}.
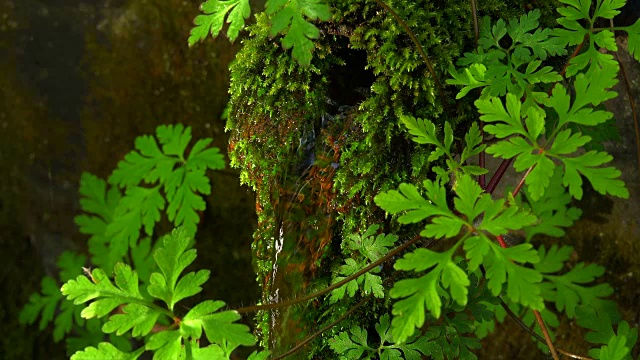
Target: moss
{"points": [[289, 125]]}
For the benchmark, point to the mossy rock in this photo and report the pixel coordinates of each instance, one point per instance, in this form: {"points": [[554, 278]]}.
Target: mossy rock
{"points": [[318, 143]]}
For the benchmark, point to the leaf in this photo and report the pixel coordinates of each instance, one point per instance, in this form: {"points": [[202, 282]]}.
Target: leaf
{"points": [[473, 143], [522, 283], [166, 344], [289, 19], [173, 256], [616, 349], [262, 355], [350, 346], [219, 327], [211, 352], [608, 9], [603, 180], [213, 19], [44, 305], [552, 209], [183, 179], [538, 41], [101, 288], [362, 250], [142, 258], [139, 317], [603, 333], [633, 41], [408, 199], [492, 110], [185, 201], [424, 131], [139, 207], [423, 293], [413, 348], [471, 77], [102, 204], [567, 290], [106, 351]]}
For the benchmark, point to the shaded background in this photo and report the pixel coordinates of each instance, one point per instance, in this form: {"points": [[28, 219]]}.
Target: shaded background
{"points": [[79, 80]]}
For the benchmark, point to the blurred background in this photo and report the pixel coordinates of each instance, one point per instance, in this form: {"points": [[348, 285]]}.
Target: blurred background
{"points": [[80, 80]]}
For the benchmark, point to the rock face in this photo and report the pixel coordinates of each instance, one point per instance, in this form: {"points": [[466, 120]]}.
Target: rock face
{"points": [[315, 179]]}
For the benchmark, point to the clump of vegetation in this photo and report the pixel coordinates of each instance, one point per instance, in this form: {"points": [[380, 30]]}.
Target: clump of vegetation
{"points": [[368, 200]]}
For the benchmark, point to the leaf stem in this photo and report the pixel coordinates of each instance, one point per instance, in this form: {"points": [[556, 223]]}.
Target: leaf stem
{"points": [[521, 183], [545, 332], [536, 336], [497, 176]]}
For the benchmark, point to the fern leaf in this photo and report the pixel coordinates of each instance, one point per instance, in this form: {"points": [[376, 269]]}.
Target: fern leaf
{"points": [[212, 20], [106, 351], [289, 19]]}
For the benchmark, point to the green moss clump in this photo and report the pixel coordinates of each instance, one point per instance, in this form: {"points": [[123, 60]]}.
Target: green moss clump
{"points": [[318, 143]]}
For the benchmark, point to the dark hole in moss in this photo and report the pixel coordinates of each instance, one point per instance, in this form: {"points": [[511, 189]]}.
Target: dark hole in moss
{"points": [[351, 83]]}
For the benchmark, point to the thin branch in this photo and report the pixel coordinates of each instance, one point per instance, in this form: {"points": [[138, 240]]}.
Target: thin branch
{"points": [[333, 286], [545, 332], [326, 328], [497, 176], [536, 336], [476, 28]]}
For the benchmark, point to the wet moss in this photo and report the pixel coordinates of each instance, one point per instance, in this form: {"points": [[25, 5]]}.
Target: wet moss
{"points": [[288, 124]]}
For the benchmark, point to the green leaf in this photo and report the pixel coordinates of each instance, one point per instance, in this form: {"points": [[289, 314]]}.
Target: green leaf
{"points": [[492, 110], [101, 204], [600, 323], [633, 41], [139, 207], [362, 250], [142, 258], [424, 131], [522, 283], [471, 77], [289, 19], [615, 349], [213, 19], [473, 143], [350, 346], [183, 179], [166, 344], [44, 305], [211, 352], [139, 317], [608, 9], [603, 180], [106, 351], [101, 288], [262, 355], [413, 348], [567, 290], [552, 209], [408, 199], [173, 256], [423, 293], [219, 327]]}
